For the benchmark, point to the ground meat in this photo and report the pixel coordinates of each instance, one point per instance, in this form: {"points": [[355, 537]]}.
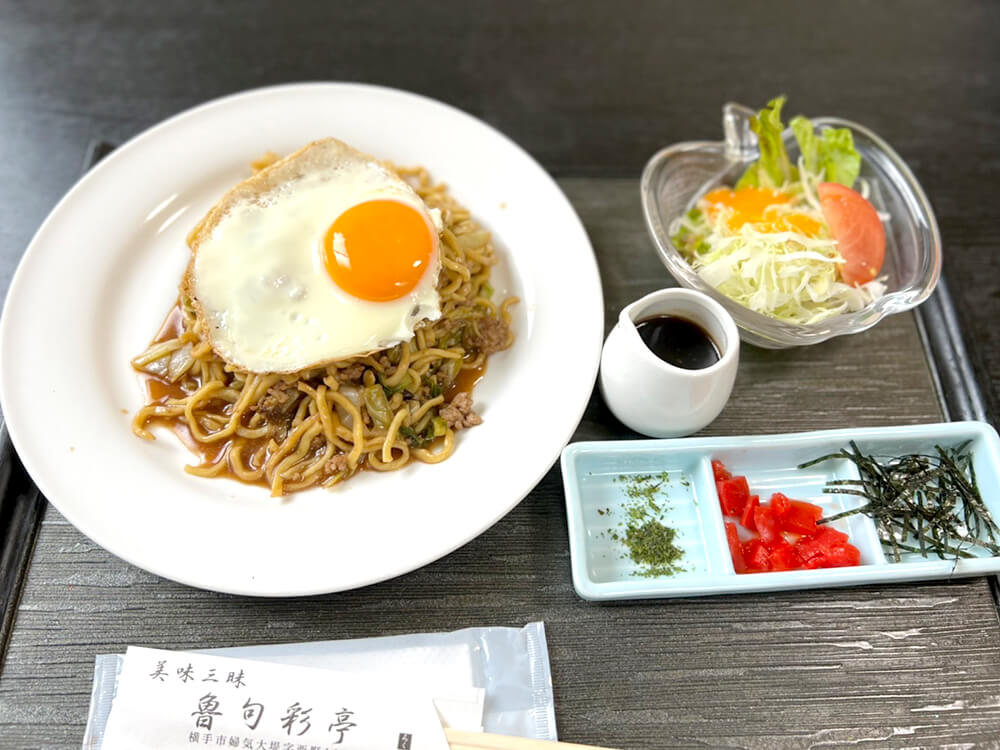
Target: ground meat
{"points": [[351, 373], [278, 401], [487, 335], [458, 413], [337, 464]]}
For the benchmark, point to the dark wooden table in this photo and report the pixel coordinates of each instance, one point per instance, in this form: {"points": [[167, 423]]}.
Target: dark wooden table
{"points": [[591, 90]]}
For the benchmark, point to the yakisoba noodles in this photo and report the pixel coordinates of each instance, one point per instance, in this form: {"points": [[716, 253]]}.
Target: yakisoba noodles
{"points": [[320, 426]]}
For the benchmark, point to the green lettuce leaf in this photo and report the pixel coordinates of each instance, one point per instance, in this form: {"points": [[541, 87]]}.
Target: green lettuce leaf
{"points": [[838, 158], [805, 134], [749, 178], [831, 155], [773, 169]]}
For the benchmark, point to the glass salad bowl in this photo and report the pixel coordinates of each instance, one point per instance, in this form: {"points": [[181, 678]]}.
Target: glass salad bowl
{"points": [[676, 177]]}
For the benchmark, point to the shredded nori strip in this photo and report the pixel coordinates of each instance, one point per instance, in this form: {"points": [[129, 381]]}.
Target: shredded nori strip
{"points": [[932, 500]]}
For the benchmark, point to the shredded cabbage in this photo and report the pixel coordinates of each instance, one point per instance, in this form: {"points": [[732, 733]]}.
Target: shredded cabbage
{"points": [[786, 275], [782, 275]]}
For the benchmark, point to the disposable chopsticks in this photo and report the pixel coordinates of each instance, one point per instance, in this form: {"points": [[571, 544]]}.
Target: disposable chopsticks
{"points": [[477, 741]]}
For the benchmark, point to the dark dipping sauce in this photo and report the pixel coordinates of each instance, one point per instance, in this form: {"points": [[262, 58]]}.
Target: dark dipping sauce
{"points": [[678, 341]]}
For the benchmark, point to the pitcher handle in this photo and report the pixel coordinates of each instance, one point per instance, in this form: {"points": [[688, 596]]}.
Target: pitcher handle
{"points": [[741, 142]]}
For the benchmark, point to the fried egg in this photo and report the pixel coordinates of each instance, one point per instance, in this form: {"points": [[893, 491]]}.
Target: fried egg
{"points": [[324, 255]]}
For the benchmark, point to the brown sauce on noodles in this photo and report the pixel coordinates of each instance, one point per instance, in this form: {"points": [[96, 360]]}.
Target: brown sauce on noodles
{"points": [[467, 380], [159, 389]]}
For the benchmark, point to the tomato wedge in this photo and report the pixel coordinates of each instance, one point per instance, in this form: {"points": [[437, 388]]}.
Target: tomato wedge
{"points": [[720, 471], [766, 523], [756, 557], [735, 548], [780, 503], [784, 557], [857, 229], [747, 518], [733, 495], [801, 517], [821, 545]]}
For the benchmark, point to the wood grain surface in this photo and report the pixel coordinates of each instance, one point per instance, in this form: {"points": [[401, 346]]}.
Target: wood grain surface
{"points": [[591, 89], [893, 665]]}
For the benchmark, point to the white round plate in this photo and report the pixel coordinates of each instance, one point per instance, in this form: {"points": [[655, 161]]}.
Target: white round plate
{"points": [[101, 273]]}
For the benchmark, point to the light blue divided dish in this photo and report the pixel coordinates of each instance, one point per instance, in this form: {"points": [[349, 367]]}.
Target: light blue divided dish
{"points": [[596, 475]]}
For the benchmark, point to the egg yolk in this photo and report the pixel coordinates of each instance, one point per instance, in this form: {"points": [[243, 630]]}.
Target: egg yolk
{"points": [[378, 250], [751, 206]]}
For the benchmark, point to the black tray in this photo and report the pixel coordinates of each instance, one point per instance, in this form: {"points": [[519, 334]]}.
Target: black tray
{"points": [[956, 368]]}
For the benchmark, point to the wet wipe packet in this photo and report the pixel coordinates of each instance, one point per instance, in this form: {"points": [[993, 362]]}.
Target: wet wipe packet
{"points": [[509, 667]]}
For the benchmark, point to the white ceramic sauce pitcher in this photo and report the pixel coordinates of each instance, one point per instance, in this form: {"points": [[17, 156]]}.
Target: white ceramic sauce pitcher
{"points": [[654, 397]]}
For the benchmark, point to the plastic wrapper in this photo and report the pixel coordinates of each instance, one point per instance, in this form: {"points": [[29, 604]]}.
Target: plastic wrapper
{"points": [[510, 664]]}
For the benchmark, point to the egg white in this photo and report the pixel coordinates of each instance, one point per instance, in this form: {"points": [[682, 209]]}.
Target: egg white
{"points": [[262, 285]]}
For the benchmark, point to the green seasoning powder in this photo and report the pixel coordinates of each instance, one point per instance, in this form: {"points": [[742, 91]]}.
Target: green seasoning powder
{"points": [[650, 544]]}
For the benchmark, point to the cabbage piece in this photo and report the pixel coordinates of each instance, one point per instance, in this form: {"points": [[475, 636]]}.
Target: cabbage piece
{"points": [[377, 406], [180, 362]]}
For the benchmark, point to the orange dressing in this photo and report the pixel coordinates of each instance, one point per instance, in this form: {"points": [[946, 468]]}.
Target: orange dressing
{"points": [[744, 206], [790, 223], [751, 206]]}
